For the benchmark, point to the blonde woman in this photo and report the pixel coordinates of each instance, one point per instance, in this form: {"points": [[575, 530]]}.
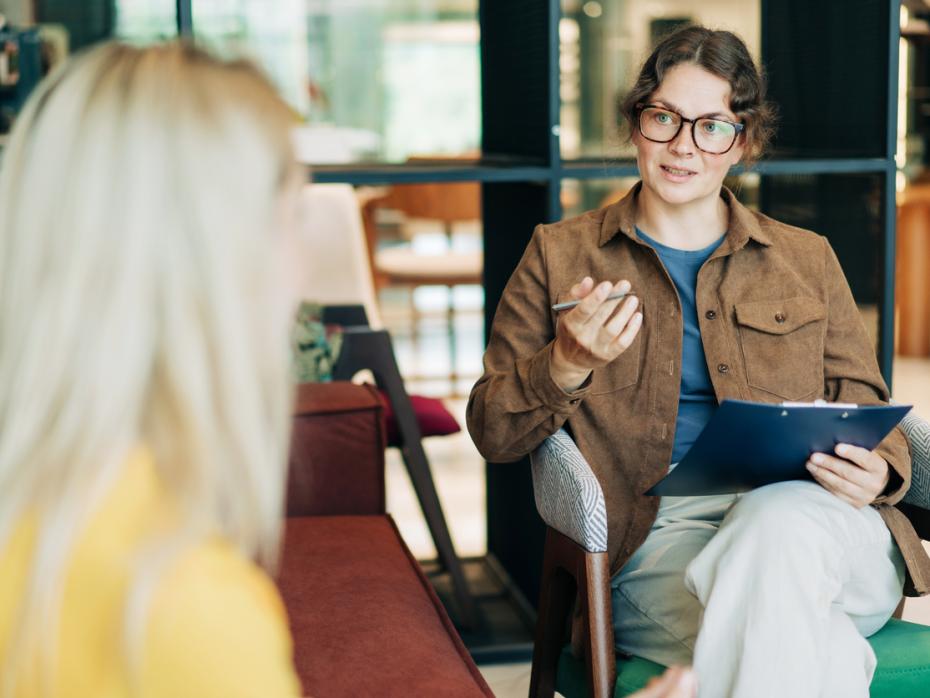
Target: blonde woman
{"points": [[147, 289]]}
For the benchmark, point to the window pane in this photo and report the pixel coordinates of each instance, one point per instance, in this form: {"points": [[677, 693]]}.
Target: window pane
{"points": [[375, 80], [146, 20], [87, 22], [846, 208], [603, 44]]}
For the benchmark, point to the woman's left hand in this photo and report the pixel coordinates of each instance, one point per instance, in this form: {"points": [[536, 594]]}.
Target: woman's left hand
{"points": [[855, 475]]}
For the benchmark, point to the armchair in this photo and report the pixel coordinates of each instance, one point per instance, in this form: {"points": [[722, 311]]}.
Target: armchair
{"points": [[570, 501]]}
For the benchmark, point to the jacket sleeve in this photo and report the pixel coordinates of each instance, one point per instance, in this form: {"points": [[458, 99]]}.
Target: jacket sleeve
{"points": [[851, 372], [515, 404]]}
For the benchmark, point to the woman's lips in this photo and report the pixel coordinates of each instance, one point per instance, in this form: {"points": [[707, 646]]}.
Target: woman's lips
{"points": [[677, 174]]}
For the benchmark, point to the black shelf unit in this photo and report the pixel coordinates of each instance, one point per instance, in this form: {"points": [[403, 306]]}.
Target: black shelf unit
{"points": [[833, 70]]}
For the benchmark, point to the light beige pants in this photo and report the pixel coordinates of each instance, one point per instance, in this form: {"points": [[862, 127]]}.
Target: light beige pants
{"points": [[768, 594]]}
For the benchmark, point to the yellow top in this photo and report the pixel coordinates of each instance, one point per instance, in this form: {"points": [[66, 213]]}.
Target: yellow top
{"points": [[216, 624]]}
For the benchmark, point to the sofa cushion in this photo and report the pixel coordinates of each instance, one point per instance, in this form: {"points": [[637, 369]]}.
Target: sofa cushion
{"points": [[365, 620], [337, 451]]}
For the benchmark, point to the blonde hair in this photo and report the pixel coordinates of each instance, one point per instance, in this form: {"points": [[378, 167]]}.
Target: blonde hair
{"points": [[139, 303]]}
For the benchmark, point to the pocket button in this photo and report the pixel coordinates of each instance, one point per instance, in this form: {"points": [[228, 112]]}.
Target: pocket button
{"points": [[779, 317]]}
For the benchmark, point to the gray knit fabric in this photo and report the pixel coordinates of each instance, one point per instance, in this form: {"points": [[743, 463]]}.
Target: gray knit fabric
{"points": [[918, 435], [568, 495]]}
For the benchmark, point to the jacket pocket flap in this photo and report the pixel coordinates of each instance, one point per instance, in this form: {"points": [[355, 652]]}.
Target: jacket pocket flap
{"points": [[780, 317]]}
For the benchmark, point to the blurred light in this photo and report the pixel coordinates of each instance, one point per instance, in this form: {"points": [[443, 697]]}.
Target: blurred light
{"points": [[569, 31], [901, 140], [593, 9]]}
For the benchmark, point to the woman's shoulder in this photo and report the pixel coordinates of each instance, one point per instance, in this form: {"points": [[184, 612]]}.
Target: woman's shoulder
{"points": [[584, 225], [785, 235], [217, 627]]}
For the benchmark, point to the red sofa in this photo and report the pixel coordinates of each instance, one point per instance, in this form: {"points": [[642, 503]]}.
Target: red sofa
{"points": [[365, 620]]}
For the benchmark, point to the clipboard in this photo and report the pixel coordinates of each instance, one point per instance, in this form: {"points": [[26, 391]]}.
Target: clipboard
{"points": [[750, 444]]}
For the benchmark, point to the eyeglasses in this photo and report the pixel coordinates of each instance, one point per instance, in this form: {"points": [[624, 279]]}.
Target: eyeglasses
{"points": [[661, 125]]}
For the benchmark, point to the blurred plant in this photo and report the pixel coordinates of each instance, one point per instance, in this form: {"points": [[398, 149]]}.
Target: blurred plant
{"points": [[316, 346]]}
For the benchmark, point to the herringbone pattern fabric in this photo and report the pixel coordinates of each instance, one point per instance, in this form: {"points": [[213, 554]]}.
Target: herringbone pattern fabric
{"points": [[568, 495], [918, 435]]}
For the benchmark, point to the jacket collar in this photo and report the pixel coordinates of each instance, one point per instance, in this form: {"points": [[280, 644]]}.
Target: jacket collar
{"points": [[621, 218]]}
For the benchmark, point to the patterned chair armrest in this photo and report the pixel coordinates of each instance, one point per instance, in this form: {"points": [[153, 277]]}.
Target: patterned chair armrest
{"points": [[568, 496], [918, 435]]}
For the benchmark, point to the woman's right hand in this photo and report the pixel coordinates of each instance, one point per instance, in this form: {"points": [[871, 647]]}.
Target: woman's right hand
{"points": [[593, 333], [676, 682]]}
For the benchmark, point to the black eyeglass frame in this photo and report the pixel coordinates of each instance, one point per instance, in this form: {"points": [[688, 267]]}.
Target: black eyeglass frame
{"points": [[639, 126]]}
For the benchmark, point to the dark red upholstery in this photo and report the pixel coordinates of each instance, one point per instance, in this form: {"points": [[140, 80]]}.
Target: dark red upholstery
{"points": [[365, 620], [337, 451], [432, 416]]}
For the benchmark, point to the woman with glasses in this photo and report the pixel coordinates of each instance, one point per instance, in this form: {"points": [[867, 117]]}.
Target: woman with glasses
{"points": [[686, 298]]}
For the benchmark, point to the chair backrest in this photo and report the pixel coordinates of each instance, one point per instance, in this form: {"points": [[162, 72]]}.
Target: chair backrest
{"points": [[447, 202], [918, 496], [568, 495], [340, 270]]}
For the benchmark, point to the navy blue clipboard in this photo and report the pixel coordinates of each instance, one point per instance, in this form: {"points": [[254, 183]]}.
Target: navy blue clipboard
{"points": [[750, 444]]}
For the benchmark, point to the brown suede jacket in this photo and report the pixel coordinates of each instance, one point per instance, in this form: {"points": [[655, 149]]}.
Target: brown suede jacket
{"points": [[778, 322]]}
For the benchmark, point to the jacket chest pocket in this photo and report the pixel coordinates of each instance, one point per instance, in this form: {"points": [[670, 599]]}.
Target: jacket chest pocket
{"points": [[782, 343], [623, 371]]}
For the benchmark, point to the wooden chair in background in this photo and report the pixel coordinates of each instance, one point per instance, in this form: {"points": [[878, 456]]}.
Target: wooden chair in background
{"points": [[447, 204]]}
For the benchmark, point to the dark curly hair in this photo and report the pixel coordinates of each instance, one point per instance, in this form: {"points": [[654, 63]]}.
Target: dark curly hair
{"points": [[725, 55]]}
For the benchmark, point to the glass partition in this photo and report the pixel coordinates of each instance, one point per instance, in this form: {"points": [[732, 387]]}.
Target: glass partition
{"points": [[74, 25], [373, 80]]}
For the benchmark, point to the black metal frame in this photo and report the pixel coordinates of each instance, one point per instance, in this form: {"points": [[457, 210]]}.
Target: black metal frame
{"points": [[185, 17]]}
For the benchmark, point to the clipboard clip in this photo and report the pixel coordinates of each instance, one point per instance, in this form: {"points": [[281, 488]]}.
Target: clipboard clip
{"points": [[821, 403]]}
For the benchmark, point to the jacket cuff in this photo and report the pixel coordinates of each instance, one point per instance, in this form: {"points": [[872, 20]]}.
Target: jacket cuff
{"points": [[549, 392], [895, 449]]}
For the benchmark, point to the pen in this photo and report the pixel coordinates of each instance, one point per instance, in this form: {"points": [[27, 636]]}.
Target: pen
{"points": [[567, 305]]}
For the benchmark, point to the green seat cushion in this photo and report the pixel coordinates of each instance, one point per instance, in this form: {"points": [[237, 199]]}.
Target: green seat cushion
{"points": [[903, 651], [902, 648]]}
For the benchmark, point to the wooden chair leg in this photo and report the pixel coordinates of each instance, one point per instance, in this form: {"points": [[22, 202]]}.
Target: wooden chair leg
{"points": [[556, 597], [594, 593], [567, 568], [451, 336]]}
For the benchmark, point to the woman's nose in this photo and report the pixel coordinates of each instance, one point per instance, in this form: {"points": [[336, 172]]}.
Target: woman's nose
{"points": [[683, 143]]}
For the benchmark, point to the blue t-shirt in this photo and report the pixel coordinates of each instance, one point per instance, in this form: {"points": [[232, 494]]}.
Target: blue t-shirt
{"points": [[696, 401]]}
